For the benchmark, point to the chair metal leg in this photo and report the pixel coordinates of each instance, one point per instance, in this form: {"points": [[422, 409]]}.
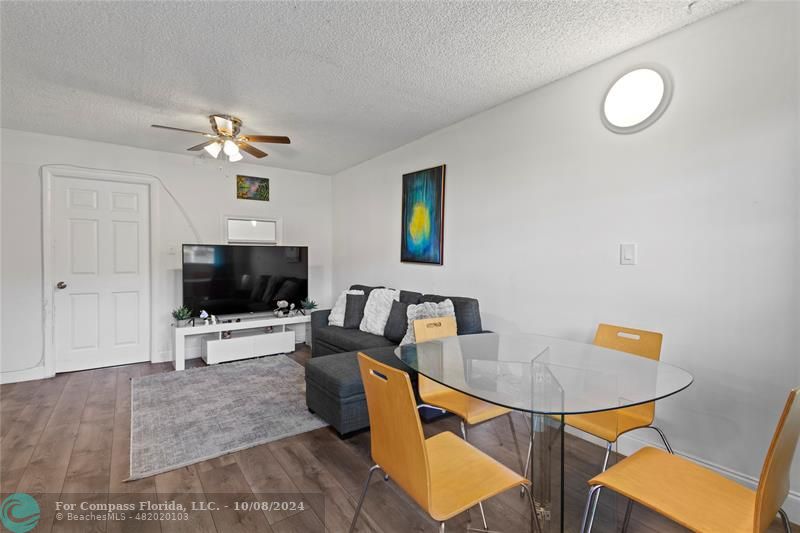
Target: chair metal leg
{"points": [[534, 516], [420, 406], [597, 494], [586, 525], [528, 462], [363, 495], [786, 524], [483, 516], [480, 504], [441, 527], [528, 458], [627, 520], [608, 453], [524, 469], [663, 438], [516, 443]]}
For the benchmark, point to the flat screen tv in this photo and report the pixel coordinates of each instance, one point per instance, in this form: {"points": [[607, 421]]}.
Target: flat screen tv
{"points": [[235, 279]]}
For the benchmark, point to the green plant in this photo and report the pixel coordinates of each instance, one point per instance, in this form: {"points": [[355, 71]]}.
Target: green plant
{"points": [[308, 305], [182, 313]]}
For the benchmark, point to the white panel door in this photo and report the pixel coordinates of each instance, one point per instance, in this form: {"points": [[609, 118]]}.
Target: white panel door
{"points": [[101, 271]]}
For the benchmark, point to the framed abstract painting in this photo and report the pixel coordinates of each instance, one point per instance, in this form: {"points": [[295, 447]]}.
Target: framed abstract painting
{"points": [[423, 216]]}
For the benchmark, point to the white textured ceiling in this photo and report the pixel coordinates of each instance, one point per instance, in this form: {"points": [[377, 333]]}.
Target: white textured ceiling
{"points": [[345, 80]]}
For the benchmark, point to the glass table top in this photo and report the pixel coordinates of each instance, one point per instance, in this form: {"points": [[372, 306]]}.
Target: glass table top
{"points": [[543, 375]]}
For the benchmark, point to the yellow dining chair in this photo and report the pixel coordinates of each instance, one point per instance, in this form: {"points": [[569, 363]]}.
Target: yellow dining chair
{"points": [[443, 474], [702, 500], [609, 425], [470, 410]]}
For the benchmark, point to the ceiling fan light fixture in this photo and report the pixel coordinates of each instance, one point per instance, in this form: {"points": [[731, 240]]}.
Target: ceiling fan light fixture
{"points": [[214, 149], [226, 125], [225, 138], [230, 148]]}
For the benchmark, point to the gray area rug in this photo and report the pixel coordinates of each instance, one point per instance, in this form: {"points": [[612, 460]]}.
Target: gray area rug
{"points": [[181, 418]]}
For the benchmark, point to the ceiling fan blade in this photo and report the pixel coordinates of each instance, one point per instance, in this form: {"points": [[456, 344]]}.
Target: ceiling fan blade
{"points": [[200, 146], [252, 150], [277, 139], [181, 129]]}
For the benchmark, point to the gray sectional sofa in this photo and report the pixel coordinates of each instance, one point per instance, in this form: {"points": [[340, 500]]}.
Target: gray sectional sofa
{"points": [[333, 383]]}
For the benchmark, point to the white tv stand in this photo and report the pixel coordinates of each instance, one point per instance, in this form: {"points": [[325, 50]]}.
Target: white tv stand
{"points": [[249, 338]]}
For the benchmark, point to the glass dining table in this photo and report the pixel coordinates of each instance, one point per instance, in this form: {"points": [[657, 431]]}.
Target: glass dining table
{"points": [[548, 379]]}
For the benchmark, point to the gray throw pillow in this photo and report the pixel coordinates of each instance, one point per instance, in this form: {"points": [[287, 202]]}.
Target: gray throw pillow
{"points": [[336, 316], [397, 325], [354, 310], [410, 297], [366, 288], [426, 310], [468, 313]]}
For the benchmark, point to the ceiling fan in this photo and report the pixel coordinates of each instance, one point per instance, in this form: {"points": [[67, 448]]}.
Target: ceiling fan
{"points": [[226, 138]]}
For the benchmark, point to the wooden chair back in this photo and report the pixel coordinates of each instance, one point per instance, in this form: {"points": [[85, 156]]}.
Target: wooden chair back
{"points": [[429, 329], [773, 485], [633, 341], [397, 440]]}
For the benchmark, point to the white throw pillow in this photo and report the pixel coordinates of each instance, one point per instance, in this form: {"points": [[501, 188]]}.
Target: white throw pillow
{"points": [[336, 317], [423, 311], [376, 312]]}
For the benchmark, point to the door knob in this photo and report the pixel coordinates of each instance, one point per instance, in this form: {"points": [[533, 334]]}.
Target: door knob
{"points": [[61, 285]]}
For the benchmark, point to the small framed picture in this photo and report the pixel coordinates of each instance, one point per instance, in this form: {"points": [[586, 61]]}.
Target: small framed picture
{"points": [[252, 188]]}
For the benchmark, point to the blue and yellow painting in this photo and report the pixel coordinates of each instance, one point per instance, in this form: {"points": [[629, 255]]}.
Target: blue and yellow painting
{"points": [[423, 216]]}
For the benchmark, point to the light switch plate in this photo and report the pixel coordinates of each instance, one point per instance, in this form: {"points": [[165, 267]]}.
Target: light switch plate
{"points": [[627, 253]]}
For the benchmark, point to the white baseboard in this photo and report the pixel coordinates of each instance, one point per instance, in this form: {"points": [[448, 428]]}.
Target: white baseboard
{"points": [[166, 356], [161, 357], [630, 443], [23, 375]]}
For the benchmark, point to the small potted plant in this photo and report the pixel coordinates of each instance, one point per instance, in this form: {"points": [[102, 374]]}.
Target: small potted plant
{"points": [[181, 315], [307, 306]]}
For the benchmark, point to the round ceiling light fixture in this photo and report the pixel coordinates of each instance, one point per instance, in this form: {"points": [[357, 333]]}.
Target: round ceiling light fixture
{"points": [[636, 99]]}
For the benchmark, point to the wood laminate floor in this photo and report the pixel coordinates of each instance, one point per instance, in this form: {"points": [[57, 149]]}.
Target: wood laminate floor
{"points": [[68, 438]]}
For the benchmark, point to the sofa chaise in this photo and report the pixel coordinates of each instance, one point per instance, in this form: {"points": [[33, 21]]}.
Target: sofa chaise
{"points": [[333, 383]]}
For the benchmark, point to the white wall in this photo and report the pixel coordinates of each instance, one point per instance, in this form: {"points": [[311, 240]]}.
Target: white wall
{"points": [[204, 187], [539, 195]]}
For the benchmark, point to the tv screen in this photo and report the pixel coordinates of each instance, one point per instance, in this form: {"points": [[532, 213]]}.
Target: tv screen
{"points": [[226, 279]]}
